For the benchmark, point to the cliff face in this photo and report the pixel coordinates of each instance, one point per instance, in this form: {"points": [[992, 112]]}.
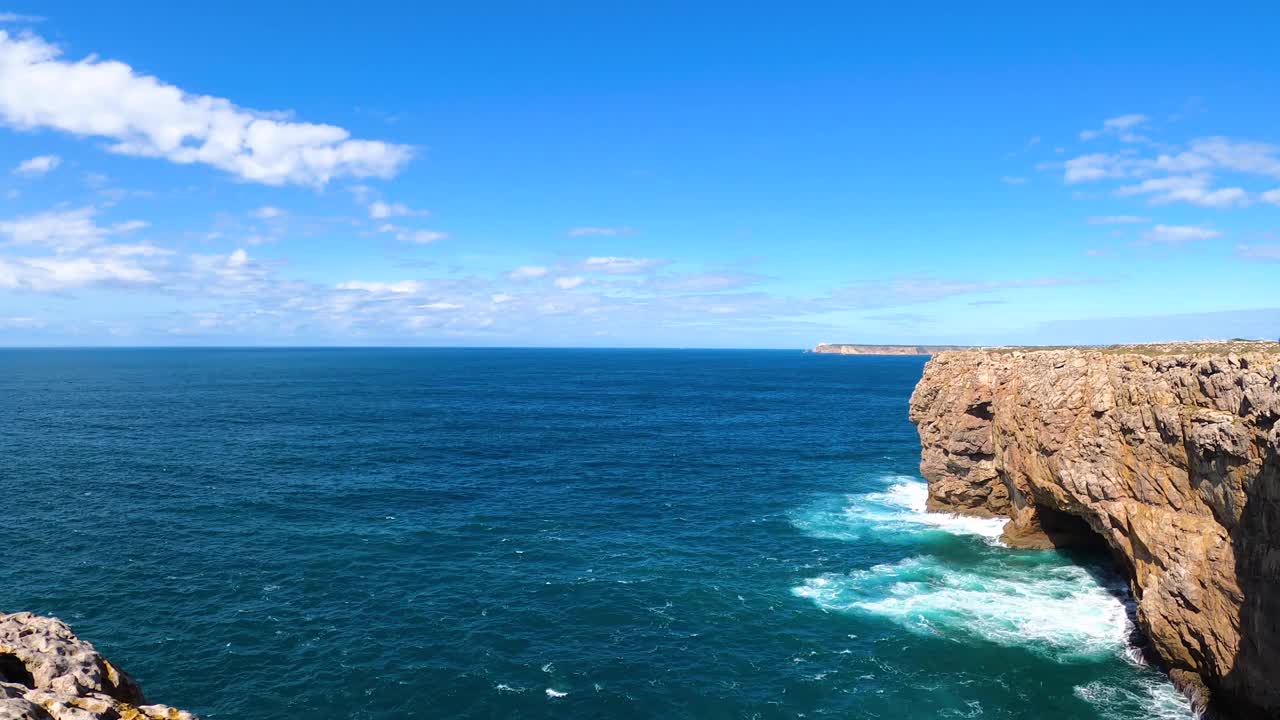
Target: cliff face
{"points": [[1172, 458], [47, 673]]}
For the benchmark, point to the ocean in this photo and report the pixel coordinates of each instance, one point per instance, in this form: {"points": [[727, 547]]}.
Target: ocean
{"points": [[439, 533]]}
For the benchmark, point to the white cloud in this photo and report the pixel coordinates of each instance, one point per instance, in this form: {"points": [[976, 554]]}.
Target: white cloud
{"points": [[1121, 126], [1192, 189], [403, 287], [1269, 253], [59, 273], [379, 210], [421, 237], [38, 165], [569, 283], [146, 117], [268, 212], [528, 272], [605, 231], [1093, 167], [8, 17], [1175, 234], [1241, 156], [1271, 196], [621, 265], [62, 230], [1116, 219], [81, 254], [499, 298]]}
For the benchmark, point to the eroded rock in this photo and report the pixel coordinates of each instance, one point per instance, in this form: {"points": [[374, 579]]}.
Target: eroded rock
{"points": [[47, 673], [1172, 459]]}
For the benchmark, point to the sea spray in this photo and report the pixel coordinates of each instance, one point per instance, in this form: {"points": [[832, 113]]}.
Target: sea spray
{"points": [[1037, 601], [895, 514], [1056, 609]]}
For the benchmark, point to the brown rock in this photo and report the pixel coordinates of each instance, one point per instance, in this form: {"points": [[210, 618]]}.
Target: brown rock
{"points": [[1170, 458], [47, 673]]}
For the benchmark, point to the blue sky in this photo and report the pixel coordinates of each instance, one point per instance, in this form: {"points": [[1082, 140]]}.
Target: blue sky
{"points": [[654, 175]]}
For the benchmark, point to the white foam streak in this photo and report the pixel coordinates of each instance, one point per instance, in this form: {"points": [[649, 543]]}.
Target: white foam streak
{"points": [[1154, 699], [1060, 611], [1036, 601], [895, 514]]}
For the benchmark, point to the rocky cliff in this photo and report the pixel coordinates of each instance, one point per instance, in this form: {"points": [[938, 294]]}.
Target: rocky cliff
{"points": [[47, 673], [1170, 455]]}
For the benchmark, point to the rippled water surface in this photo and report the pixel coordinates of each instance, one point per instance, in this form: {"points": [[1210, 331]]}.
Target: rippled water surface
{"points": [[532, 533]]}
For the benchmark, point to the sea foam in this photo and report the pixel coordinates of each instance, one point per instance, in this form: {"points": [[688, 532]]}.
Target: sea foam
{"points": [[1155, 699], [894, 514], [1040, 602], [1061, 611]]}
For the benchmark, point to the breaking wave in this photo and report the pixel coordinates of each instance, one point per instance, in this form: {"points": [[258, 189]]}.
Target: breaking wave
{"points": [[895, 514], [1062, 611]]}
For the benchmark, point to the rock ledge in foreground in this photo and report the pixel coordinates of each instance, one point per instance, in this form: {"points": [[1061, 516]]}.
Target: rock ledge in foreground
{"points": [[47, 673]]}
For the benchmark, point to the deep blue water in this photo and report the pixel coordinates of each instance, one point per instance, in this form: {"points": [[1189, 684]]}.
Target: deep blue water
{"points": [[531, 533]]}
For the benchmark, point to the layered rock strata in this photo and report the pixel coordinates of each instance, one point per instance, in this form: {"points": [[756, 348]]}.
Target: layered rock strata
{"points": [[1172, 458], [47, 673]]}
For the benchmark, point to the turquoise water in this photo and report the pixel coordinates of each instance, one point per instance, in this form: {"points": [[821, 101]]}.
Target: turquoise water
{"points": [[533, 533]]}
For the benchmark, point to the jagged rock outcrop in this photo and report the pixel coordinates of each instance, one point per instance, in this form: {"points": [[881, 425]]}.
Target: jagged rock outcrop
{"points": [[47, 673], [1171, 457]]}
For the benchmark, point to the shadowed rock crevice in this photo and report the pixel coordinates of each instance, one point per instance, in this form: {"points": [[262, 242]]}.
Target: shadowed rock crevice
{"points": [[12, 670], [1049, 528], [1169, 457]]}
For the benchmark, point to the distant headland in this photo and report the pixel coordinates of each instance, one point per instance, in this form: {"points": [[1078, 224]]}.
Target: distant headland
{"points": [[847, 349], [1183, 347]]}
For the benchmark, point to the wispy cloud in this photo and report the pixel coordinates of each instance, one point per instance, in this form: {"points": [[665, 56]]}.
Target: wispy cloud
{"points": [[1097, 166], [379, 210], [1178, 234], [1256, 158], [404, 234], [38, 165], [69, 249], [1268, 253], [1121, 127], [528, 272], [621, 265], [589, 231], [404, 287], [61, 231], [147, 117], [1193, 189], [268, 212]]}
